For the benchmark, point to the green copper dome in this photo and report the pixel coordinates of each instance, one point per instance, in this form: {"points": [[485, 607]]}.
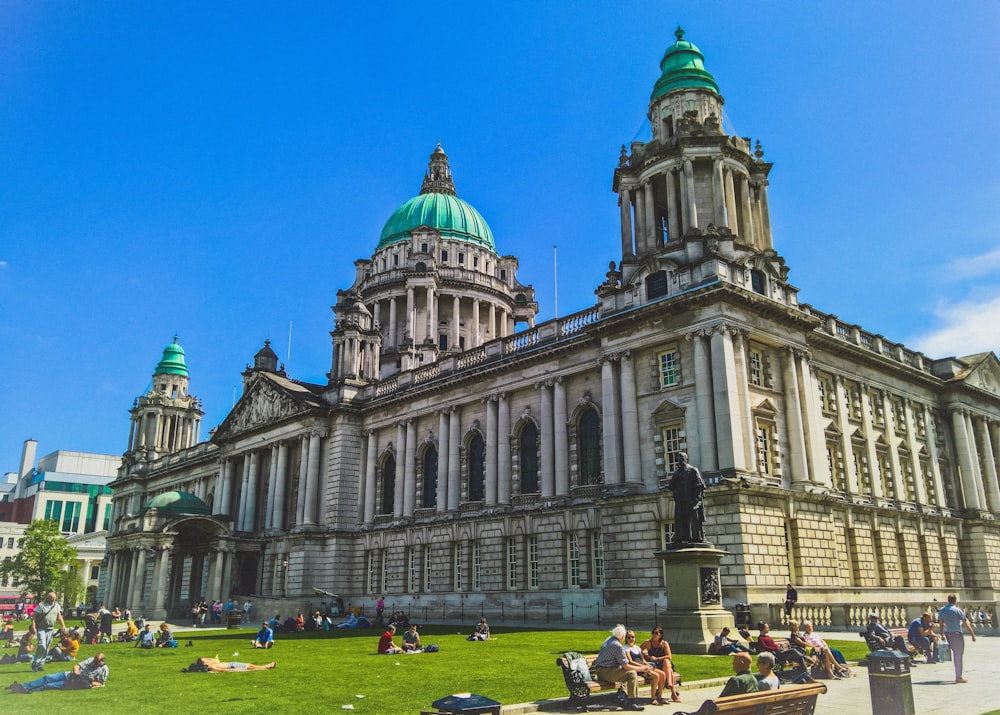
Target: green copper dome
{"points": [[438, 207], [683, 67], [172, 362], [178, 503]]}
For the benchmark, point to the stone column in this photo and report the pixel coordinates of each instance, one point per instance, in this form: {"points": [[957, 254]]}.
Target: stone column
{"points": [[281, 480], [625, 205], [874, 470], [630, 422], [112, 581], [718, 193], [609, 410], [729, 434], [300, 495], [673, 217], [920, 494], [476, 338], [312, 479], [503, 450], [793, 418], [241, 515], [989, 466], [430, 325], [410, 334], [931, 437], [456, 318], [977, 469], [161, 581], [139, 581], [851, 477], [640, 221], [491, 329], [443, 457], [250, 524], [397, 495], [410, 470], [547, 454], [454, 465], [227, 573], [964, 458], [650, 219], [892, 441], [704, 415], [393, 343], [272, 477], [732, 221], [819, 468], [765, 217], [743, 394], [371, 477], [216, 581], [746, 218], [128, 593], [491, 450], [561, 437], [692, 204]]}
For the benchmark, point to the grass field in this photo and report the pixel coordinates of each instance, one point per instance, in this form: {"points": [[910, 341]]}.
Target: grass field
{"points": [[325, 671]]}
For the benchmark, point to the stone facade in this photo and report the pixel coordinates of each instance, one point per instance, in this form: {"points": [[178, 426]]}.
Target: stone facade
{"points": [[462, 457]]}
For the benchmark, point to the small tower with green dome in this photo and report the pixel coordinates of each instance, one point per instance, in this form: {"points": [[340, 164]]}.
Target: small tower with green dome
{"points": [[166, 419]]}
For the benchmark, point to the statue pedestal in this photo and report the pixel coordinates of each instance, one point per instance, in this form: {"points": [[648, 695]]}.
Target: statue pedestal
{"points": [[694, 612]]}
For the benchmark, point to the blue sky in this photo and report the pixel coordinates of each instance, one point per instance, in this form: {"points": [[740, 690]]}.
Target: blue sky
{"points": [[214, 169]]}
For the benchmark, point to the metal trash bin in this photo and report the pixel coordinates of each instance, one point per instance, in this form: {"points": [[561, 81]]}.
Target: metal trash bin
{"points": [[889, 682], [234, 619], [741, 611], [467, 704]]}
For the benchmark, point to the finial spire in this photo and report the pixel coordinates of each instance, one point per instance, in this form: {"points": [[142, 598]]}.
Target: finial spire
{"points": [[438, 180], [679, 33]]}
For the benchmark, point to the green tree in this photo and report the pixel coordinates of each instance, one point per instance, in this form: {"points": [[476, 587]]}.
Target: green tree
{"points": [[43, 562]]}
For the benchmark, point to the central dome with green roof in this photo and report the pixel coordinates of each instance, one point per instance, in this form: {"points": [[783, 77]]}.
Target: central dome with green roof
{"points": [[178, 503], [683, 67], [438, 207], [172, 362]]}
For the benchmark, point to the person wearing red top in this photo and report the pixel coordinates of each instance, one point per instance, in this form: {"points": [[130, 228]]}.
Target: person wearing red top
{"points": [[765, 643], [385, 644]]}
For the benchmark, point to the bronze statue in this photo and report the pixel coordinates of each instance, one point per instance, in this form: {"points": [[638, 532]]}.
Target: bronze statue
{"points": [[689, 509]]}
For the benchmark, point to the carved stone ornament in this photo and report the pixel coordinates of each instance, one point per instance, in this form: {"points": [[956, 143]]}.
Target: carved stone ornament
{"points": [[266, 405], [711, 592]]}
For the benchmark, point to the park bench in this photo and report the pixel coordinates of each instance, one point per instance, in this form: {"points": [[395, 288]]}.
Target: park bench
{"points": [[581, 683], [789, 700], [874, 644]]}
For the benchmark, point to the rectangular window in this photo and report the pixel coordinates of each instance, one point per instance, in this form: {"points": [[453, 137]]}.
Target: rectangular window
{"points": [[10, 542], [53, 510], [573, 559], [674, 442], [477, 566], [756, 368], [372, 586], [457, 585], [670, 368], [107, 517], [385, 569], [532, 562], [503, 274], [475, 261], [95, 572], [395, 259], [668, 533], [764, 448], [512, 563], [411, 569], [597, 557], [423, 248], [427, 569], [461, 259], [444, 256], [71, 517]]}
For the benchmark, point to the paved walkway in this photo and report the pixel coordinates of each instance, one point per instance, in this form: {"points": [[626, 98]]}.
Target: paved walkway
{"points": [[934, 689]]}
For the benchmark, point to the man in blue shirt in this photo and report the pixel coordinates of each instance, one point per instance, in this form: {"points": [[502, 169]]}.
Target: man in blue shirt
{"points": [[952, 618], [265, 637], [612, 665], [921, 635]]}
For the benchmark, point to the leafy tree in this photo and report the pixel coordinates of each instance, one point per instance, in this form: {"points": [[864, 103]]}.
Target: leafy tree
{"points": [[44, 560]]}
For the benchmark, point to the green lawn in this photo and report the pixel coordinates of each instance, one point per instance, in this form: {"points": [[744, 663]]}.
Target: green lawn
{"points": [[324, 671]]}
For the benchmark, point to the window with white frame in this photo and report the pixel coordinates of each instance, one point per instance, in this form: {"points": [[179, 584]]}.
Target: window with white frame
{"points": [[765, 446], [457, 566], [597, 557], [427, 569], [372, 571], [674, 443], [532, 562], [668, 532], [573, 559], [385, 569], [411, 570], [477, 566], [670, 367], [756, 367], [512, 563]]}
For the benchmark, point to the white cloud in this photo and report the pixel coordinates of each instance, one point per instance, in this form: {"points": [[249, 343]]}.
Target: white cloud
{"points": [[965, 327], [974, 267], [3, 264]]}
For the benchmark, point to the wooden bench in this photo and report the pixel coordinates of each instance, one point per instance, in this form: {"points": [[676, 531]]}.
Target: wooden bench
{"points": [[788, 700], [580, 689], [894, 632]]}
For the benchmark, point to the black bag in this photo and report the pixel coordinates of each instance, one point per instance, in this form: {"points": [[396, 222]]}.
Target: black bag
{"points": [[77, 681]]}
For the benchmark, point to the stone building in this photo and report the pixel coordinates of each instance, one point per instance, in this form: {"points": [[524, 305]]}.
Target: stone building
{"points": [[460, 455]]}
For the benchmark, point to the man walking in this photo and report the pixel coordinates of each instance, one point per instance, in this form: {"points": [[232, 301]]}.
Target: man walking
{"points": [[952, 618], [43, 622]]}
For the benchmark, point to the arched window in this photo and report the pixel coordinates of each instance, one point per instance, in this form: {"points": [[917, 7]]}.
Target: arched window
{"points": [[477, 468], [528, 450], [388, 484], [757, 281], [589, 447], [430, 478]]}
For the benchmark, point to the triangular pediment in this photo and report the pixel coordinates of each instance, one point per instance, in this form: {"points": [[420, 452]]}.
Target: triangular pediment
{"points": [[93, 540], [668, 409], [268, 399], [985, 375]]}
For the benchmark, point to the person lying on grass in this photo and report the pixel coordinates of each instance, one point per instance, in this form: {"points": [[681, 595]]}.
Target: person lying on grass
{"points": [[214, 665]]}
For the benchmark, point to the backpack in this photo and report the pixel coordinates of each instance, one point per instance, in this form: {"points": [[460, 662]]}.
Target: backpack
{"points": [[432, 648]]}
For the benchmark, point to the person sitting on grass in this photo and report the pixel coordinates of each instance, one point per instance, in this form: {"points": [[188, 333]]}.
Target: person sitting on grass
{"points": [[214, 665], [67, 649], [264, 637], [129, 634], [8, 633], [482, 632], [411, 639], [24, 651], [147, 639], [724, 645], [300, 623], [744, 681], [164, 638], [385, 644], [90, 673], [766, 679]]}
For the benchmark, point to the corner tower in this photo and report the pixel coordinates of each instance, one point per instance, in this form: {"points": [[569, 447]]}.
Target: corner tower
{"points": [[434, 286], [166, 419], [691, 185]]}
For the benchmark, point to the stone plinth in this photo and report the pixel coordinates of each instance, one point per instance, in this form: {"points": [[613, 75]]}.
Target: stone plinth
{"points": [[694, 612]]}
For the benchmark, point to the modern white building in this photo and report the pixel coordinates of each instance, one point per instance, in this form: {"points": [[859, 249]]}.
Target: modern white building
{"points": [[461, 457]]}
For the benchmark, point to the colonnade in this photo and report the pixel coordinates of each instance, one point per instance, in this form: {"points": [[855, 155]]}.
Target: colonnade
{"points": [[485, 319], [265, 484], [739, 202], [163, 430], [976, 441]]}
